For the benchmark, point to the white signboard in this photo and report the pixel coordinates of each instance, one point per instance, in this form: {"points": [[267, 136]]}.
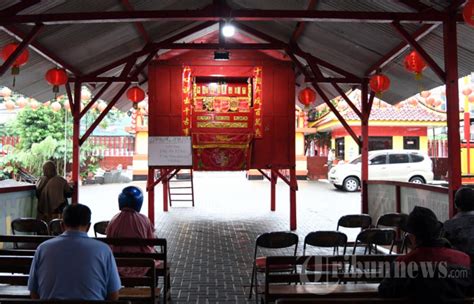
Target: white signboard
{"points": [[169, 151]]}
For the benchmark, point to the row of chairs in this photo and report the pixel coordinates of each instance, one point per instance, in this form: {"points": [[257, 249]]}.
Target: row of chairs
{"points": [[383, 234], [34, 226]]}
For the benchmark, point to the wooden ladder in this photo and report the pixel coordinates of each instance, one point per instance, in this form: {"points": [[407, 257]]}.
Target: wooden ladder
{"points": [[181, 189]]}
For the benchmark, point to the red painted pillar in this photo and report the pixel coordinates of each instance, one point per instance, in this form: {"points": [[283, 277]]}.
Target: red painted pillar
{"points": [[293, 188], [365, 146], [164, 173], [452, 107], [273, 181], [76, 110], [151, 194]]}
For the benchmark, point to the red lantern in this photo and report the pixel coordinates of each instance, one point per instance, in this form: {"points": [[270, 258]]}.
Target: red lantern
{"points": [[56, 77], [467, 91], [307, 96], [56, 106], [135, 95], [425, 94], [9, 105], [414, 63], [431, 102], [379, 83], [19, 61], [468, 13]]}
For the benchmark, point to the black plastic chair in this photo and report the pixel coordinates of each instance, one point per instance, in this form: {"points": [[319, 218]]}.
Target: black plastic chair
{"points": [[362, 221], [100, 228], [325, 239], [55, 227], [271, 240], [375, 236], [28, 226], [395, 220]]}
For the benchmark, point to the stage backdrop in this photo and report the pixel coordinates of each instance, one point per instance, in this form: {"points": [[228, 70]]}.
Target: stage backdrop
{"points": [[276, 147]]}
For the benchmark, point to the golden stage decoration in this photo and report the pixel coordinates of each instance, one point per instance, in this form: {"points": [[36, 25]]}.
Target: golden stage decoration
{"points": [[186, 97]]}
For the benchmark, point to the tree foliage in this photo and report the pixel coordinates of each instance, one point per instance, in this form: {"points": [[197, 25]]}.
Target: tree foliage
{"points": [[46, 135]]}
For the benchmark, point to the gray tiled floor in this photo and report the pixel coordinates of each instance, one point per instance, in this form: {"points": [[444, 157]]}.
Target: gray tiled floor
{"points": [[211, 245]]}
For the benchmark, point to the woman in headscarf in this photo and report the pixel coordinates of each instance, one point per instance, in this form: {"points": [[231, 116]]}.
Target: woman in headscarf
{"points": [[52, 192]]}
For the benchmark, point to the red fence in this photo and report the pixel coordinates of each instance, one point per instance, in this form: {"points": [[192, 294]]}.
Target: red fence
{"points": [[438, 148], [106, 145]]}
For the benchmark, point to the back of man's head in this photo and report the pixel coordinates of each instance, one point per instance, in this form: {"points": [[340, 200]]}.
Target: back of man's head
{"points": [[464, 199], [75, 216]]}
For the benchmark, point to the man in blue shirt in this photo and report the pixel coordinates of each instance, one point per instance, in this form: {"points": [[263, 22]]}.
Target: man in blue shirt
{"points": [[73, 266]]}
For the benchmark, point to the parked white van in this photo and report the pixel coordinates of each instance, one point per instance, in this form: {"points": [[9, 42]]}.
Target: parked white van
{"points": [[395, 165]]}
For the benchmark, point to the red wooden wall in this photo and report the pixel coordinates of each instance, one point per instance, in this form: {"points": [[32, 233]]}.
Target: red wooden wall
{"points": [[277, 147]]}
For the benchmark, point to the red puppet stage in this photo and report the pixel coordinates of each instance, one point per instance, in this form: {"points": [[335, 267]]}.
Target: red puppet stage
{"points": [[239, 113]]}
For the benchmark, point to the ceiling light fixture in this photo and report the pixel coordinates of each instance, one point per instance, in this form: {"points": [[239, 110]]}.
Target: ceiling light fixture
{"points": [[228, 30]]}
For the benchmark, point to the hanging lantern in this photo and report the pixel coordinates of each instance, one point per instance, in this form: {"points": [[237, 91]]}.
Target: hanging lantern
{"points": [[425, 94], [413, 102], [468, 13], [379, 83], [5, 92], [135, 95], [21, 102], [467, 91], [34, 104], [414, 63], [471, 98], [101, 107], [55, 106], [56, 77], [307, 96], [19, 61], [85, 94], [9, 105], [430, 101]]}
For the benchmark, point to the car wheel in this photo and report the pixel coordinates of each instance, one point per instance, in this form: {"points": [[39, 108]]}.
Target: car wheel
{"points": [[351, 184], [417, 180], [338, 187]]}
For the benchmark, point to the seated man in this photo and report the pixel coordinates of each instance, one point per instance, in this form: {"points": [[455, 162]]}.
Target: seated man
{"points": [[460, 229], [130, 223], [73, 266], [432, 272]]}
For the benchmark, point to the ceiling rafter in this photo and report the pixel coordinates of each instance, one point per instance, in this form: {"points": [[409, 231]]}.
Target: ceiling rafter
{"points": [[18, 7], [140, 28], [416, 5], [217, 13], [300, 26]]}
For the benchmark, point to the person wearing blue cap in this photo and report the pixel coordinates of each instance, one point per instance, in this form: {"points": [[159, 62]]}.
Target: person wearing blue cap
{"points": [[130, 223]]}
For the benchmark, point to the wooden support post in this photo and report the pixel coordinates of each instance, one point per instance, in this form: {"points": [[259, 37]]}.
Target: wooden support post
{"points": [[365, 146], [273, 181], [452, 108], [151, 194], [293, 189], [76, 112], [164, 174]]}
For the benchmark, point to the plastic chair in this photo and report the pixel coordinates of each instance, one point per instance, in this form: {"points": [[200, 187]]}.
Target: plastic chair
{"points": [[362, 221], [326, 239], [395, 220], [376, 236], [271, 240], [100, 227], [28, 226], [55, 227]]}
